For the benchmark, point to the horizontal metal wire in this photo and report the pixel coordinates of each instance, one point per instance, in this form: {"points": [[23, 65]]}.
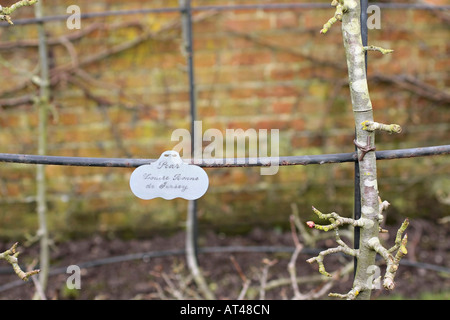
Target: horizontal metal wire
{"points": [[225, 163], [267, 6]]}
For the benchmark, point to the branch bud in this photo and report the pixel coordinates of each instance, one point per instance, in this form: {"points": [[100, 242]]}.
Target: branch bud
{"points": [[310, 224]]}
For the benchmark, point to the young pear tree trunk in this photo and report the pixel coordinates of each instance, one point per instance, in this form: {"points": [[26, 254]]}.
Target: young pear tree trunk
{"points": [[349, 12], [362, 111]]}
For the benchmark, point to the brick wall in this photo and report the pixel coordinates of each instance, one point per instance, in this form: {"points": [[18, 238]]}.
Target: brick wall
{"points": [[261, 69]]}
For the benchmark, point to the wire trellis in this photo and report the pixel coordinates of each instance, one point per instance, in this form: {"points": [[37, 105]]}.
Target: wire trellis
{"points": [[228, 162], [266, 6], [187, 13]]}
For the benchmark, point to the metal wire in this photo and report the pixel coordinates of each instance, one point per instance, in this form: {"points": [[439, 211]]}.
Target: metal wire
{"points": [[225, 163]]}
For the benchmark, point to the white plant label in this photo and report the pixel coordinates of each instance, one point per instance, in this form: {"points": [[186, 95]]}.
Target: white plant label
{"points": [[169, 178]]}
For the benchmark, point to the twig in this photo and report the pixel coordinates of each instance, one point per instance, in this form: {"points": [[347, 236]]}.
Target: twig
{"points": [[291, 264], [244, 289], [172, 289], [379, 49], [398, 238], [10, 256], [351, 295], [372, 126], [340, 9], [295, 218], [39, 291], [336, 221], [415, 86], [246, 282], [267, 264], [6, 11], [238, 269], [160, 291]]}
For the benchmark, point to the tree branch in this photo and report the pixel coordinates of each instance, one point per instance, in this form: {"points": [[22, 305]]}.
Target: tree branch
{"points": [[391, 261], [351, 295], [6, 11], [372, 126], [291, 265], [10, 256], [340, 9], [336, 221], [379, 49], [341, 248]]}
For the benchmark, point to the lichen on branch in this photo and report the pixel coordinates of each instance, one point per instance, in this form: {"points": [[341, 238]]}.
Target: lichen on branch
{"points": [[349, 13], [392, 261], [340, 9], [372, 126], [374, 244], [335, 222], [379, 49], [351, 295], [5, 12], [10, 256], [341, 248]]}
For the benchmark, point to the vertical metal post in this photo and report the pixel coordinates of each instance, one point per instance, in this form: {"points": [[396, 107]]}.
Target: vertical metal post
{"points": [[356, 211], [186, 16], [364, 28], [357, 201]]}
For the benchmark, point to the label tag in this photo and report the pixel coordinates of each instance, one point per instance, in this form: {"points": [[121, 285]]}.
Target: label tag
{"points": [[168, 178]]}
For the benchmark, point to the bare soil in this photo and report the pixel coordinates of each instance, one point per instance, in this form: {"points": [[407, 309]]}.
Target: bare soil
{"points": [[167, 277]]}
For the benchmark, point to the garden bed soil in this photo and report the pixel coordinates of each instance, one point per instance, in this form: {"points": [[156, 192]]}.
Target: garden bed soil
{"points": [[167, 277]]}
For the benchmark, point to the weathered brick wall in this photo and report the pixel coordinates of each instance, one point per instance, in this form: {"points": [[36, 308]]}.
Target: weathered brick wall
{"points": [[261, 69]]}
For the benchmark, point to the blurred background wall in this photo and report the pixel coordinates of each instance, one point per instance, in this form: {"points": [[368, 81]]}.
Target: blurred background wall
{"points": [[119, 89]]}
